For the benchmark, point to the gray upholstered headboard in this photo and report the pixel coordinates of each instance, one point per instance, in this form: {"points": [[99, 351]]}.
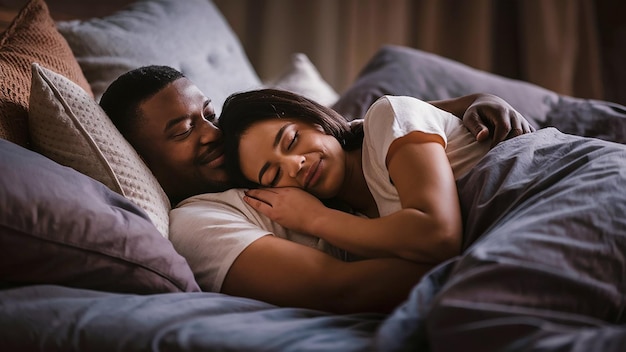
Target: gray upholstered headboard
{"points": [[191, 36]]}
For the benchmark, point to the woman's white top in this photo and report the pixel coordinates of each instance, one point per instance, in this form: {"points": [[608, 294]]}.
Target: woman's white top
{"points": [[392, 117]]}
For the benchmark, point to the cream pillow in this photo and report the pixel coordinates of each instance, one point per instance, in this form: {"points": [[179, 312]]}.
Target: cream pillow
{"points": [[302, 77], [69, 127]]}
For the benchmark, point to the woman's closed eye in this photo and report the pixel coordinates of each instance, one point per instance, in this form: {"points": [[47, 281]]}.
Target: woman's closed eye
{"points": [[293, 140], [276, 178], [279, 171], [287, 142]]}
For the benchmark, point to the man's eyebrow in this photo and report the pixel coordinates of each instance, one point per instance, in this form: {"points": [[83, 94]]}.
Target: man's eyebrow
{"points": [[279, 136], [173, 122]]}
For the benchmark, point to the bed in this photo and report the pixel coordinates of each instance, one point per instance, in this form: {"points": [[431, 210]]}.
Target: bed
{"points": [[85, 263]]}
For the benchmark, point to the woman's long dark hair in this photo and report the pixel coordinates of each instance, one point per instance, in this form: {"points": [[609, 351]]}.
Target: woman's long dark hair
{"points": [[242, 110]]}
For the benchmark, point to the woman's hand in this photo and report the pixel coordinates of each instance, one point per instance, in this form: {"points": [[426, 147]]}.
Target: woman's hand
{"points": [[489, 111], [291, 207]]}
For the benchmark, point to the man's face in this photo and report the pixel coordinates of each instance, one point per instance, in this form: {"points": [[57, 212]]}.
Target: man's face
{"points": [[179, 141]]}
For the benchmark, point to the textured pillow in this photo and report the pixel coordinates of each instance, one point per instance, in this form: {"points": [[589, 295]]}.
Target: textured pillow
{"points": [[400, 70], [31, 37], [69, 127], [191, 36], [58, 226], [302, 77]]}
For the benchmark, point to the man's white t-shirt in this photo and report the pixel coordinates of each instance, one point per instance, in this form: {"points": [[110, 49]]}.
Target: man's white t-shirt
{"points": [[392, 117], [211, 230]]}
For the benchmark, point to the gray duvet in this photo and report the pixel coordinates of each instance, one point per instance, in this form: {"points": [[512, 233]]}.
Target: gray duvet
{"points": [[544, 265]]}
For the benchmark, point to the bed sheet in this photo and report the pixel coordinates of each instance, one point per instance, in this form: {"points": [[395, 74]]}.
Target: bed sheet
{"points": [[56, 318]]}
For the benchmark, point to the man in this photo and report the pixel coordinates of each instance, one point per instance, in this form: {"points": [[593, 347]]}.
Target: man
{"points": [[231, 248]]}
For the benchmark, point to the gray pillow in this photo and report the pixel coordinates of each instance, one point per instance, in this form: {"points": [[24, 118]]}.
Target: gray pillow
{"points": [[191, 36], [397, 70], [58, 226]]}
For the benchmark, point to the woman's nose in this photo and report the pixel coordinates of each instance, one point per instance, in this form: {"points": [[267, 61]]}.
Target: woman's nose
{"points": [[296, 162]]}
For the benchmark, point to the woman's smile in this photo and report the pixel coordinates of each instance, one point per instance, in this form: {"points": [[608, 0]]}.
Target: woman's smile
{"points": [[313, 174]]}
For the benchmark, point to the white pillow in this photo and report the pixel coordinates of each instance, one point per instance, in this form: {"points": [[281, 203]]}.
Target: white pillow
{"points": [[69, 127], [302, 77]]}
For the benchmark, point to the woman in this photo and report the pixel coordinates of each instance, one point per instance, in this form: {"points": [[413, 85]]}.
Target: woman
{"points": [[399, 170]]}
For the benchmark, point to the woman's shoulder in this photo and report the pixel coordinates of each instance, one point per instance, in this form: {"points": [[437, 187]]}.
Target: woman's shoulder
{"points": [[399, 115], [395, 106], [399, 102], [379, 111]]}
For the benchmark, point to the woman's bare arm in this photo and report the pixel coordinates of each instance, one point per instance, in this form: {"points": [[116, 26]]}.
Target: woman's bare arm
{"points": [[427, 229]]}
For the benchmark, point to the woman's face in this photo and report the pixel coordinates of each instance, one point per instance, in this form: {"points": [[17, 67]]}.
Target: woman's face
{"points": [[289, 153]]}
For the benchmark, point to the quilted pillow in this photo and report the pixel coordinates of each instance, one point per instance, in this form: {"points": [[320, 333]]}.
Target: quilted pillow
{"points": [[31, 37], [68, 126], [58, 226], [191, 36]]}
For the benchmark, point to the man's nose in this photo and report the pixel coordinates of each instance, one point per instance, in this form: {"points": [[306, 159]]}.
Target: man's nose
{"points": [[296, 162], [209, 133]]}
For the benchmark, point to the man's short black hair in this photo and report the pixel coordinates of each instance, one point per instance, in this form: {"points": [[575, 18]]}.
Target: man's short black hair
{"points": [[121, 99]]}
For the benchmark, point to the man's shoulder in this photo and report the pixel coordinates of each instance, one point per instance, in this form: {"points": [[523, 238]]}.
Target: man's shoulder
{"points": [[228, 205], [232, 198], [220, 197], [219, 209]]}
